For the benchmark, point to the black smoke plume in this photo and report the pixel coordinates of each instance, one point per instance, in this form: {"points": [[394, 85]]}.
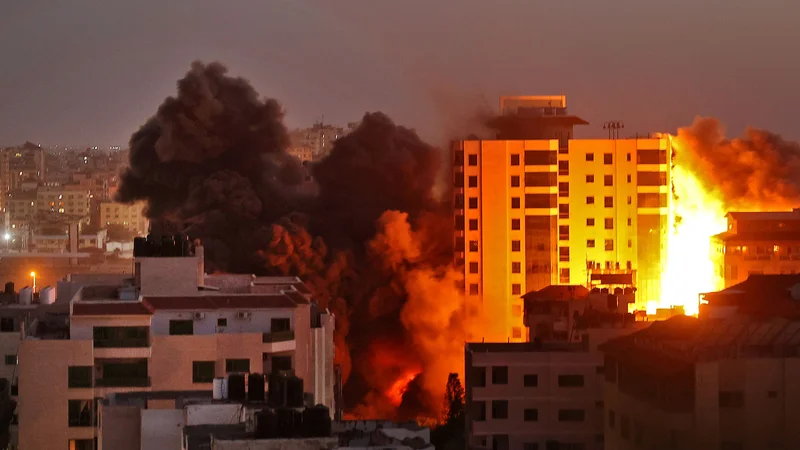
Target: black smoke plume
{"points": [[212, 162]]}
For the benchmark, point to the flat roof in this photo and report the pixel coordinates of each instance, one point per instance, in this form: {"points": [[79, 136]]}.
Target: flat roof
{"points": [[524, 347]]}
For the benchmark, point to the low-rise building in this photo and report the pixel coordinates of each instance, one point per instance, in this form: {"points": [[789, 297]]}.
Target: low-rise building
{"points": [[63, 200], [130, 216]]}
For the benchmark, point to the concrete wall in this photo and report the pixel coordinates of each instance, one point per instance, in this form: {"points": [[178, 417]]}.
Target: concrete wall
{"points": [[171, 361], [323, 353], [161, 429], [213, 414], [168, 276], [259, 321], [119, 428]]}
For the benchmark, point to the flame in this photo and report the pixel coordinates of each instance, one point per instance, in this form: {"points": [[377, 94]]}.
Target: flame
{"points": [[398, 388]]}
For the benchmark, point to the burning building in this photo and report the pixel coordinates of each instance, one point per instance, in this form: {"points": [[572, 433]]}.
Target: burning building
{"points": [[535, 207]]}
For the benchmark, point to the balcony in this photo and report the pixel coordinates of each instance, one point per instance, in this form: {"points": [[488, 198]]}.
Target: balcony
{"points": [[121, 343], [123, 382], [122, 348], [278, 341]]}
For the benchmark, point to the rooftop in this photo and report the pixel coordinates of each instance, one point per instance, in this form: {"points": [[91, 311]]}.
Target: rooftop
{"points": [[764, 215], [750, 236], [762, 295], [523, 347]]}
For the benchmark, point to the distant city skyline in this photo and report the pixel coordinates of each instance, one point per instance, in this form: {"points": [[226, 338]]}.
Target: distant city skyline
{"points": [[92, 73]]}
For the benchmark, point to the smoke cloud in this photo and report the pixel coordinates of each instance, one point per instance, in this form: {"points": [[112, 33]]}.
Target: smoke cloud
{"points": [[371, 239], [756, 170]]}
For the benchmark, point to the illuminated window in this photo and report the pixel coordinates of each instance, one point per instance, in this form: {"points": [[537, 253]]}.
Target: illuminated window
{"points": [[590, 178], [563, 232], [590, 157], [609, 202], [515, 181], [563, 254], [590, 243], [563, 211], [608, 158], [563, 275], [590, 221], [563, 189], [563, 167]]}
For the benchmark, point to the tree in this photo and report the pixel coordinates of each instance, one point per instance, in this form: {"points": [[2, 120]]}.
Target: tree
{"points": [[450, 434], [453, 399]]}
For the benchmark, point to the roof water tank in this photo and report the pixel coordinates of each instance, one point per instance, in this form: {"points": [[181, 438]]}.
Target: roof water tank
{"points": [[225, 388], [25, 296], [47, 296], [216, 388]]}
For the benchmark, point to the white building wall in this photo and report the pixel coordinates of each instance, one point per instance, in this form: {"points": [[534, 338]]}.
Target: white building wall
{"points": [[260, 321], [162, 429]]}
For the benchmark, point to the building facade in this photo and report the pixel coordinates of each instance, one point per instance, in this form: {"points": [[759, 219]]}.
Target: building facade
{"points": [[756, 243], [63, 200], [549, 209], [130, 216]]}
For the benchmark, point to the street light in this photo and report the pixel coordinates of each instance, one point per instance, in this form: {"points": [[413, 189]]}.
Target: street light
{"points": [[33, 275], [7, 237]]}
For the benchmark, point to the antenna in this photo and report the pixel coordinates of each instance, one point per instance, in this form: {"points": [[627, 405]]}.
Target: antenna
{"points": [[613, 127]]}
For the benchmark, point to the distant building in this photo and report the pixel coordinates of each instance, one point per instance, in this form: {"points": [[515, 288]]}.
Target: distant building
{"points": [[318, 138], [63, 200], [59, 243], [756, 243], [758, 295], [129, 216], [20, 164]]}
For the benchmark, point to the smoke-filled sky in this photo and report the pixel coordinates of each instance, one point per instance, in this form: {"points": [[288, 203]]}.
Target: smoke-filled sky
{"points": [[85, 71]]}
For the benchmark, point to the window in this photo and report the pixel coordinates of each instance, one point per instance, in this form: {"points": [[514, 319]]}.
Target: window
{"points": [[237, 365], [608, 180], [590, 178], [473, 203], [516, 289], [181, 327], [479, 376], [563, 211], [516, 333], [473, 181], [479, 411], [281, 363], [540, 200], [629, 178], [630, 222], [540, 179], [473, 224], [628, 157], [609, 223], [570, 381], [515, 181], [515, 159], [473, 267], [612, 419], [630, 200], [563, 232], [458, 179], [11, 360], [473, 246], [473, 289], [590, 157], [630, 243], [590, 200], [563, 167], [609, 245], [571, 415], [563, 189], [515, 202], [515, 246], [540, 158], [499, 409], [203, 371], [222, 322], [590, 221], [563, 254], [530, 380], [500, 375], [651, 156], [515, 224], [459, 222], [79, 376], [81, 444], [590, 243], [459, 201], [651, 178], [516, 267], [609, 202], [80, 413], [608, 158], [458, 158], [472, 160], [531, 414], [731, 399], [279, 324], [563, 275]]}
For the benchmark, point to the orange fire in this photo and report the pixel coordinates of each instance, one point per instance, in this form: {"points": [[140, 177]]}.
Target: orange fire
{"points": [[395, 393]]}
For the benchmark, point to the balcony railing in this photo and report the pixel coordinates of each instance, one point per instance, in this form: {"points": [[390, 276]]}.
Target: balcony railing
{"points": [[123, 382], [278, 336], [122, 343]]}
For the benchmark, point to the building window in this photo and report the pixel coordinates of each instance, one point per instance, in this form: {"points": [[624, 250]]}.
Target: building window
{"points": [[478, 376], [473, 224], [590, 157], [608, 180], [515, 181], [516, 289], [81, 444], [473, 181], [515, 224], [590, 243], [515, 203], [516, 267], [630, 200], [630, 221], [458, 201], [499, 409], [563, 275], [181, 327], [515, 159], [530, 380], [630, 243], [590, 178], [472, 160], [609, 202], [731, 399], [459, 222], [563, 167], [516, 333], [479, 411], [473, 267], [458, 179], [570, 381], [473, 289], [563, 254], [590, 200], [203, 371], [563, 189], [612, 419], [473, 203], [237, 365], [531, 414], [609, 223], [222, 322], [500, 375], [563, 211], [609, 245], [629, 178], [458, 158], [11, 360], [79, 376], [473, 246], [80, 413], [571, 415], [563, 232], [515, 246], [608, 159], [590, 221]]}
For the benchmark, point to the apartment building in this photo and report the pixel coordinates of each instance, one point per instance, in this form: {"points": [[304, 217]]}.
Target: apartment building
{"points": [[130, 216], [756, 243], [20, 208], [693, 384], [169, 328], [63, 200], [19, 165], [536, 207]]}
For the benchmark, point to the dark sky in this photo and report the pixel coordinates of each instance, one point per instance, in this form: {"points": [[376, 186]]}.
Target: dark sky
{"points": [[80, 71]]}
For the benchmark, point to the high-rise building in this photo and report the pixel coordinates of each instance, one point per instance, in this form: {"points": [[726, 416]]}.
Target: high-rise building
{"points": [[536, 207]]}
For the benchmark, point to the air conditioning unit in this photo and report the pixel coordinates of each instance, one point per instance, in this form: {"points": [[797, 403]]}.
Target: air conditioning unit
{"points": [[243, 315], [199, 316]]}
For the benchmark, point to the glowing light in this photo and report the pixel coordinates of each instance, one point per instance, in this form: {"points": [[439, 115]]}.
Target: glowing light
{"points": [[33, 274], [399, 387], [7, 236]]}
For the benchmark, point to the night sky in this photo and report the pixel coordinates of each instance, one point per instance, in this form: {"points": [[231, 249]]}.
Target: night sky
{"points": [[90, 72]]}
